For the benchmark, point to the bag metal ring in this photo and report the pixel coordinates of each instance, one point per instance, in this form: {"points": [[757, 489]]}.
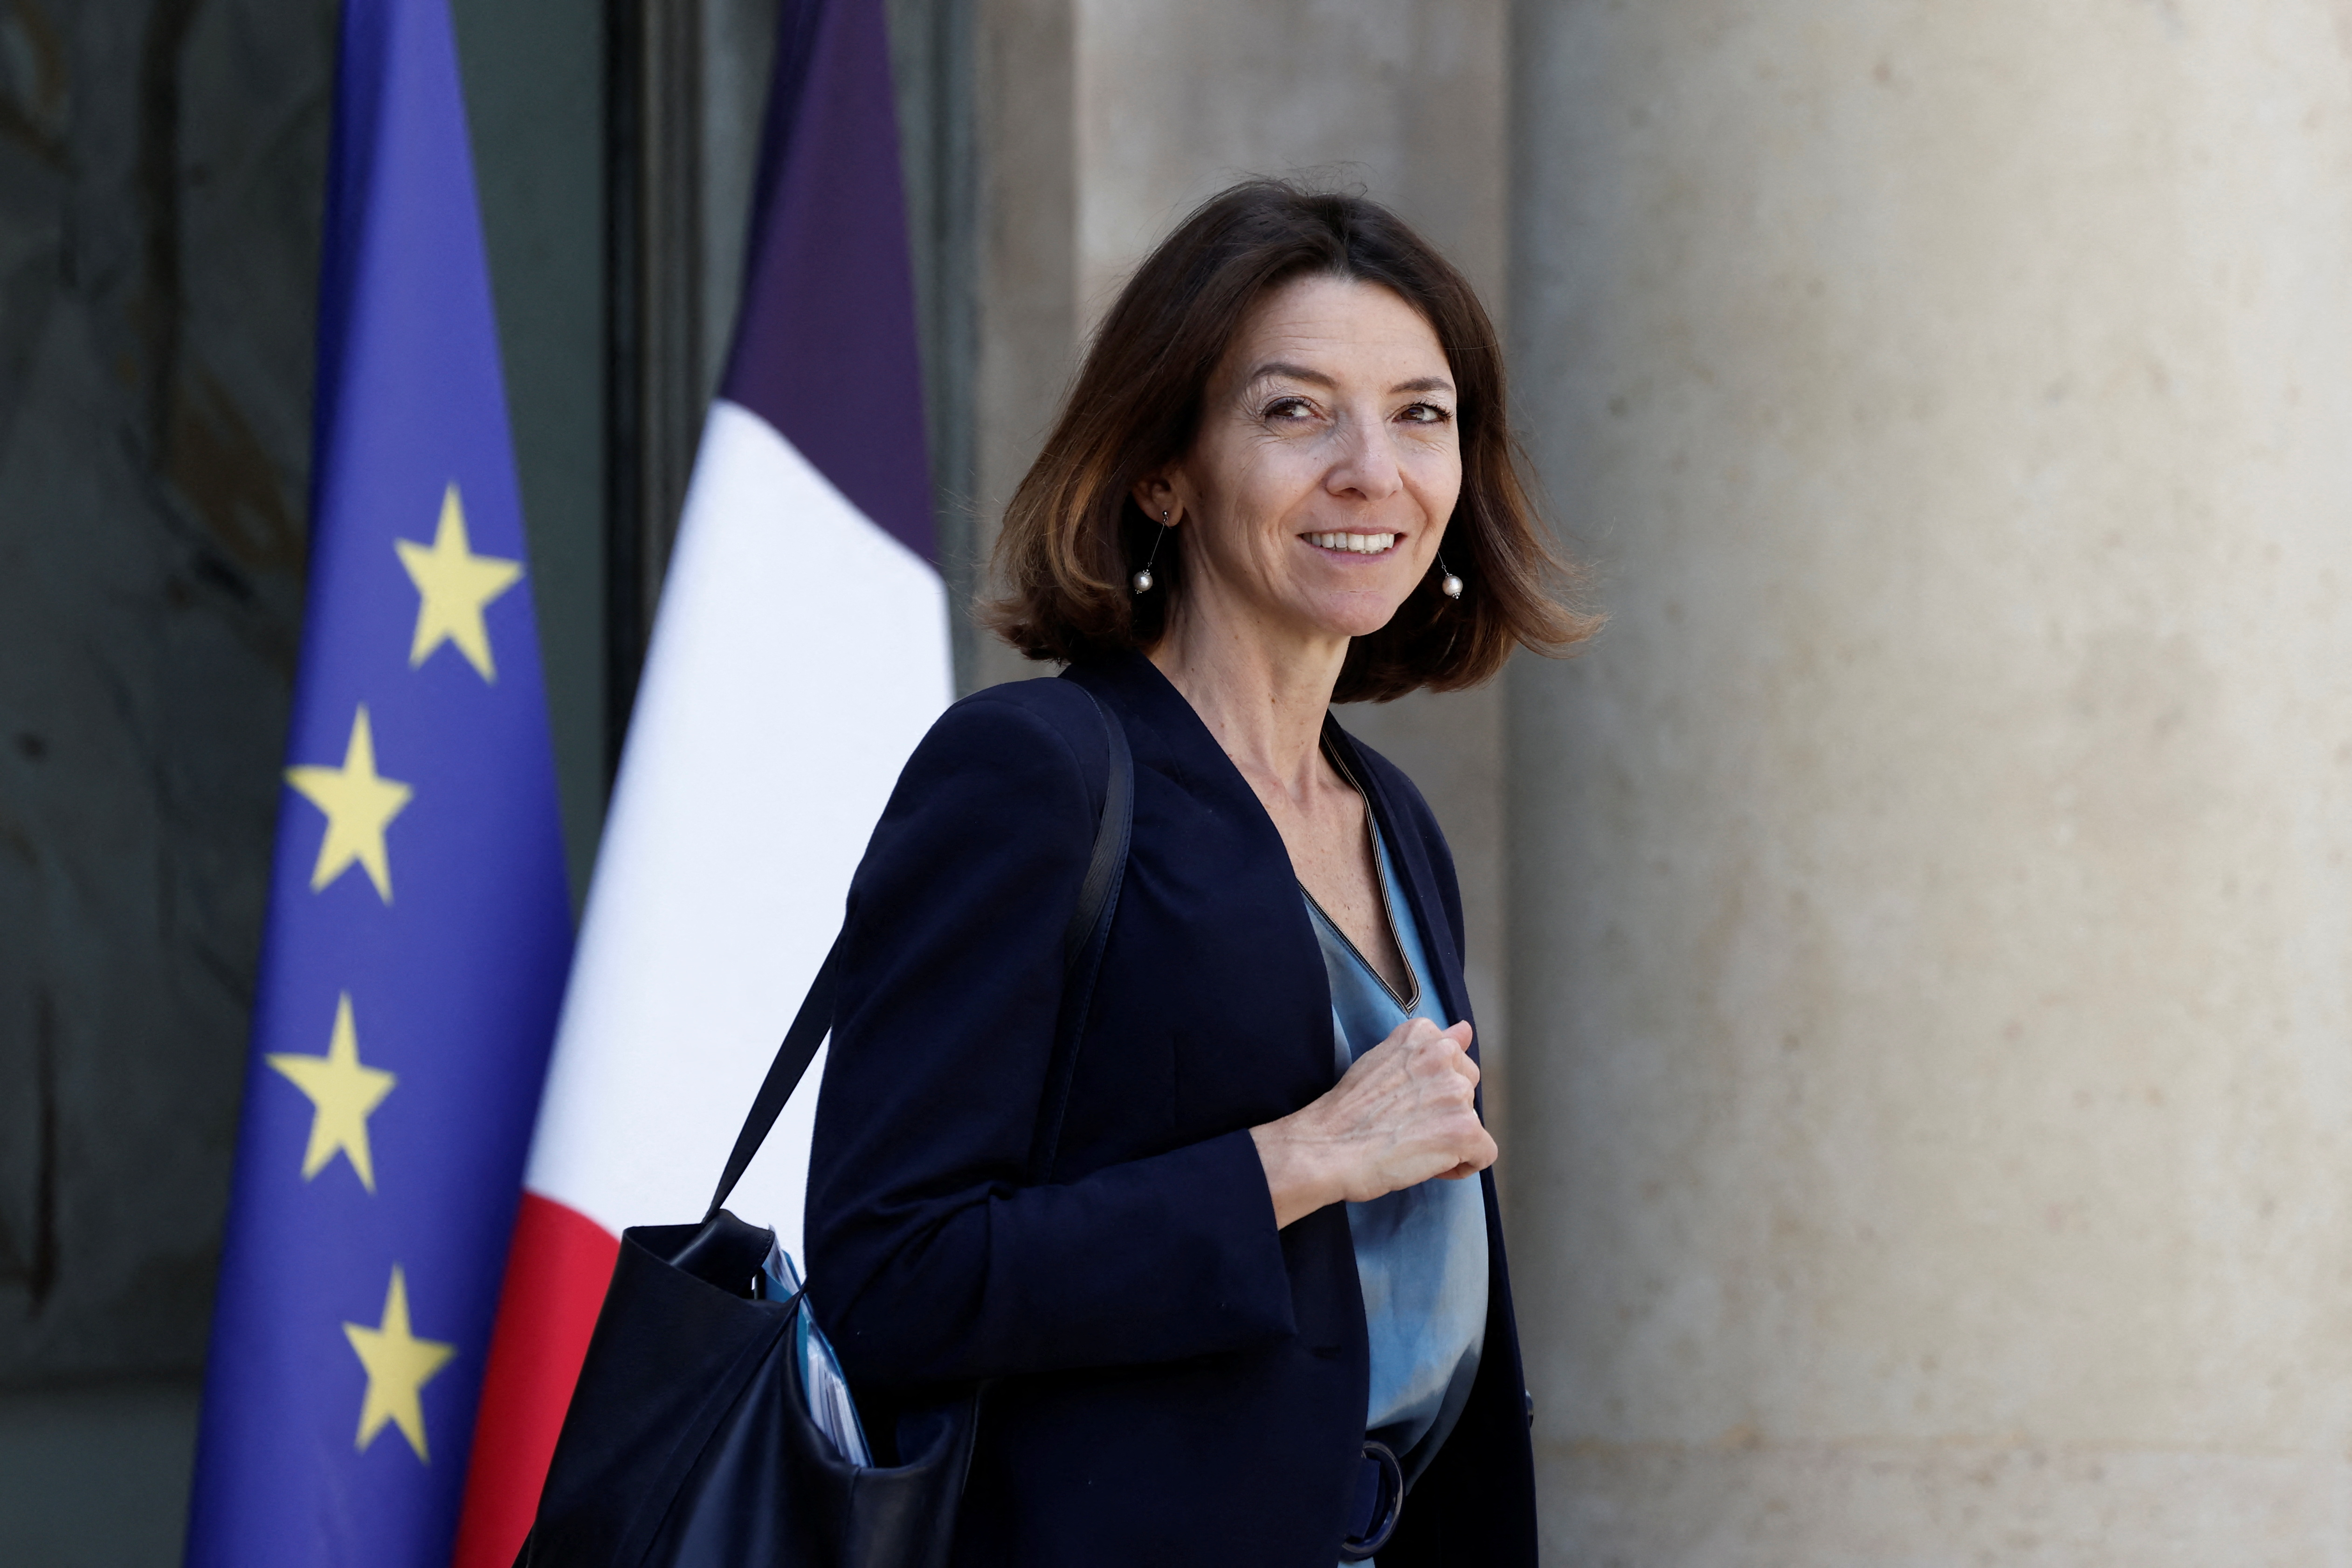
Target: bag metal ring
{"points": [[1388, 1503]]}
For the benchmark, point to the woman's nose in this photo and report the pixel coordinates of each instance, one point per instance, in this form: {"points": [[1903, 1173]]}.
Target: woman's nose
{"points": [[1367, 463]]}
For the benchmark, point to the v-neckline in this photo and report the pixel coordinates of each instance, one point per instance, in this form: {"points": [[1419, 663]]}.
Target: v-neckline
{"points": [[1187, 733], [1408, 1005]]}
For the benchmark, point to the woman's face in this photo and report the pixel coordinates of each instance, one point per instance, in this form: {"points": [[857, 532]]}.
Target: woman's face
{"points": [[1328, 461]]}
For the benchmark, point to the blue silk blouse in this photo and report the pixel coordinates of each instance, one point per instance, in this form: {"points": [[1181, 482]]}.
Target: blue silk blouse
{"points": [[1421, 1253]]}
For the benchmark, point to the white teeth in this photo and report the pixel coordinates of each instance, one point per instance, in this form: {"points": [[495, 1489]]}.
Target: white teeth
{"points": [[1359, 543]]}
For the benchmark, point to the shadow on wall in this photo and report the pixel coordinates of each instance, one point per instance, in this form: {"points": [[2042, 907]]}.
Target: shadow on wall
{"points": [[161, 166], [95, 1476]]}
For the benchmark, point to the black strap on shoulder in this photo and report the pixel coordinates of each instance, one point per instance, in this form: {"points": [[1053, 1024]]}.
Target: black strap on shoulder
{"points": [[1083, 941]]}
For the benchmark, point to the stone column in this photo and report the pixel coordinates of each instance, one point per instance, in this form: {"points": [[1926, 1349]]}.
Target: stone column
{"points": [[1933, 1083]]}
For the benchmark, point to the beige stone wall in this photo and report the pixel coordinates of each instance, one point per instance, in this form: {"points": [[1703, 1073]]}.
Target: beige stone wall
{"points": [[1934, 1050], [1103, 122], [1176, 98]]}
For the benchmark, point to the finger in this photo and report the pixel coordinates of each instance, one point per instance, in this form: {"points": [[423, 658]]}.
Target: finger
{"points": [[1481, 1152], [1414, 1032], [1462, 1033], [1481, 1157], [1452, 1043]]}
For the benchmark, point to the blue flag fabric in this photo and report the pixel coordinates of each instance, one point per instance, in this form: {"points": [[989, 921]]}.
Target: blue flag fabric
{"points": [[419, 930]]}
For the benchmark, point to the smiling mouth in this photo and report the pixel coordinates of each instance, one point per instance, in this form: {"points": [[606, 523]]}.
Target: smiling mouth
{"points": [[1352, 543]]}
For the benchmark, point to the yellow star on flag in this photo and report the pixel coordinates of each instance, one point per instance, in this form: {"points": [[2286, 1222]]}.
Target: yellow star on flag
{"points": [[341, 1092], [359, 804], [454, 585], [399, 1365]]}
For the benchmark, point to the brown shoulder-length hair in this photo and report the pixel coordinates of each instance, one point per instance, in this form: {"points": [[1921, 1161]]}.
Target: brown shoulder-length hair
{"points": [[1074, 536]]}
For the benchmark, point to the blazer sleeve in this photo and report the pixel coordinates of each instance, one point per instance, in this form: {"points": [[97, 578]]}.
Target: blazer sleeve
{"points": [[929, 1258]]}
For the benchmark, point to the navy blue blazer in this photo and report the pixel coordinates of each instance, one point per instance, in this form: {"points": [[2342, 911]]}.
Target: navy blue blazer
{"points": [[1181, 1383]]}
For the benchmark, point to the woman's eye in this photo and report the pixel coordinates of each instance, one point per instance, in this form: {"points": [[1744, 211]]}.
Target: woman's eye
{"points": [[1427, 414], [1288, 408]]}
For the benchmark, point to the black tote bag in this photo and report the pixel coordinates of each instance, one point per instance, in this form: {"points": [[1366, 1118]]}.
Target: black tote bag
{"points": [[689, 1442]]}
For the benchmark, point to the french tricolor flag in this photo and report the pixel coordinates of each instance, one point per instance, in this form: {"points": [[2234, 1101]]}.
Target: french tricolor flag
{"points": [[800, 652]]}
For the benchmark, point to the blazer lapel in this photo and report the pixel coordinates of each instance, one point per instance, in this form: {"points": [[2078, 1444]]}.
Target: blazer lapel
{"points": [[1170, 739], [1412, 857]]}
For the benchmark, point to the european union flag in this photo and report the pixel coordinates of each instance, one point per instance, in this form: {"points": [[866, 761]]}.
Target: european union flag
{"points": [[419, 929]]}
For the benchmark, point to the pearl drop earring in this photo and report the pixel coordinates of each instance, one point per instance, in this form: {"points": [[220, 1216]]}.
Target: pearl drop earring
{"points": [[1452, 586], [1143, 578]]}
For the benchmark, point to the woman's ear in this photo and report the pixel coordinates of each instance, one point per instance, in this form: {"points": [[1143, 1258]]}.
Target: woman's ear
{"points": [[1156, 495]]}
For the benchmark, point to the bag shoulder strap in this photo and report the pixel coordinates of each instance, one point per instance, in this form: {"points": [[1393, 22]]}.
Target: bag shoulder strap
{"points": [[1083, 940]]}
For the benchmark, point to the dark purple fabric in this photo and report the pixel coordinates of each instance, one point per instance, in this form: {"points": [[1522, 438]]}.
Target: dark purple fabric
{"points": [[825, 347]]}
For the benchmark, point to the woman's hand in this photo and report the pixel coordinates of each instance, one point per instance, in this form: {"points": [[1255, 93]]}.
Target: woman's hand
{"points": [[1402, 1114]]}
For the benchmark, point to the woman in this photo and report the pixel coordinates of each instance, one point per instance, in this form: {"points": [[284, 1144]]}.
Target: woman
{"points": [[1267, 1249]]}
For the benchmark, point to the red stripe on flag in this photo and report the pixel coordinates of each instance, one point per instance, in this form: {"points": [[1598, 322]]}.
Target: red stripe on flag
{"points": [[557, 1269]]}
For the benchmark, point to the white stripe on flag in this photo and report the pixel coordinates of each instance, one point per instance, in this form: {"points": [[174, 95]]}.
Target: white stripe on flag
{"points": [[799, 654]]}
